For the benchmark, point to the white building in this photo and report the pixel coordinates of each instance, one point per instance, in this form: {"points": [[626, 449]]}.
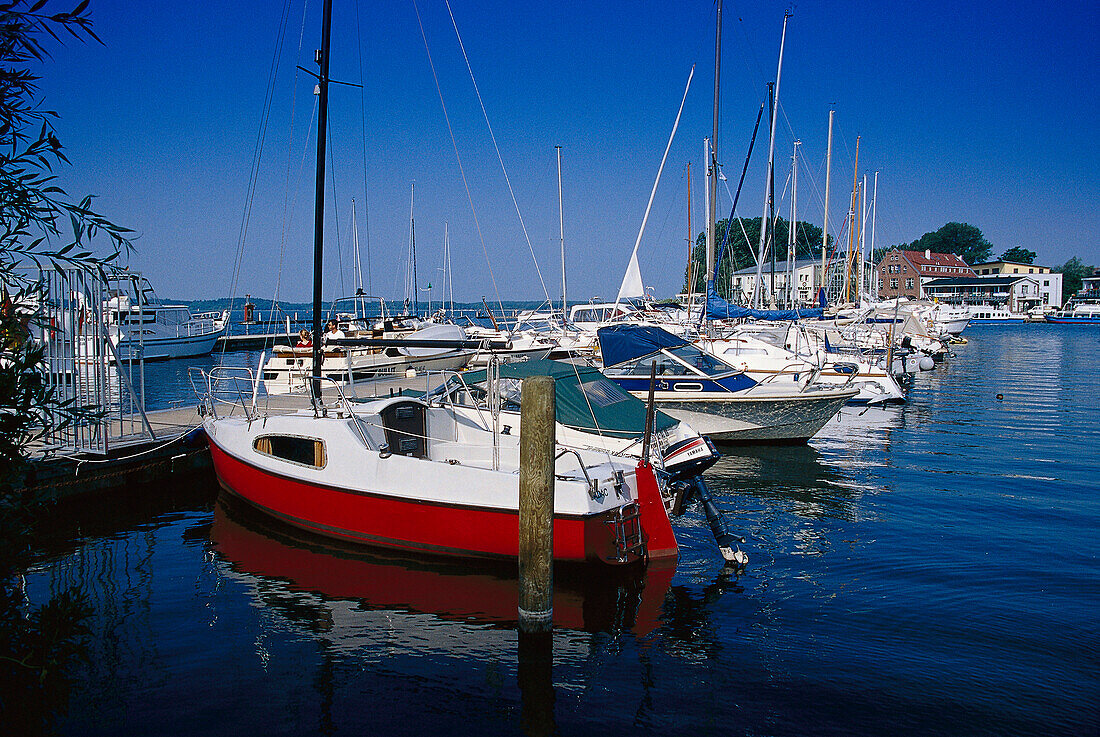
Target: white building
{"points": [[807, 275], [1017, 293]]}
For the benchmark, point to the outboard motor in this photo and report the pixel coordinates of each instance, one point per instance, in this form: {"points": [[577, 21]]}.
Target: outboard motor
{"points": [[696, 488], [690, 457]]}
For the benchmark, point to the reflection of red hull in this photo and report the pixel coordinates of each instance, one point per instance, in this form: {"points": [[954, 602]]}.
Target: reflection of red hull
{"points": [[415, 525], [590, 602]]}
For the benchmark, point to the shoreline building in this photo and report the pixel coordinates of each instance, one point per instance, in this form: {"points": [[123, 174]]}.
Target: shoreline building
{"points": [[807, 276], [905, 273], [1007, 285]]}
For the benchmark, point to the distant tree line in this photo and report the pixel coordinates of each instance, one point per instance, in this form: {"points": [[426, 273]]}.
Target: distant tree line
{"points": [[1073, 273]]}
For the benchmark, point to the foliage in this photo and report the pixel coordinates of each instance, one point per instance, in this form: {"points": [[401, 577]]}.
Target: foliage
{"points": [[1073, 273], [962, 238], [40, 226], [1019, 255], [740, 253]]}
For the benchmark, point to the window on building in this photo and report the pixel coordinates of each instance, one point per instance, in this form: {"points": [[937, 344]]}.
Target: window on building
{"points": [[893, 283], [1016, 271], [1046, 282], [908, 283]]}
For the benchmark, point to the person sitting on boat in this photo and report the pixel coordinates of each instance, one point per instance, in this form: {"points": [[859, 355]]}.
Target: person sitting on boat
{"points": [[305, 339], [333, 332]]}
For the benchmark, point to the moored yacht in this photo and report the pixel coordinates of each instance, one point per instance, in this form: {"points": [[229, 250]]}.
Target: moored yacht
{"points": [[715, 398]]}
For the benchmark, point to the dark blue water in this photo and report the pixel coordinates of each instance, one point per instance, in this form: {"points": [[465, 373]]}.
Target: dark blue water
{"points": [[925, 569]]}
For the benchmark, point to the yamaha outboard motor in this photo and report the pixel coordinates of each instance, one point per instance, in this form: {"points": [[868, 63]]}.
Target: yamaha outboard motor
{"points": [[696, 489]]}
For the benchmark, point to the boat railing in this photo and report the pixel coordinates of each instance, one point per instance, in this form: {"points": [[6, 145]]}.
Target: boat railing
{"points": [[224, 389]]}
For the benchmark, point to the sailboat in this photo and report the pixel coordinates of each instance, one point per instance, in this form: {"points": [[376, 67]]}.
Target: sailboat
{"points": [[402, 474]]}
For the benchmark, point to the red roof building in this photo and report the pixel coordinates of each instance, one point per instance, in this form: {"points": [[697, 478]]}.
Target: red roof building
{"points": [[903, 273]]}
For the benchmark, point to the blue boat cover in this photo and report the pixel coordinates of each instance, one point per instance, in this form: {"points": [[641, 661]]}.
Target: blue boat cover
{"points": [[622, 343], [720, 309]]}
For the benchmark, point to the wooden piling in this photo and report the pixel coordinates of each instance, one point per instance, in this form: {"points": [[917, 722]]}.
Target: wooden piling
{"points": [[536, 505]]}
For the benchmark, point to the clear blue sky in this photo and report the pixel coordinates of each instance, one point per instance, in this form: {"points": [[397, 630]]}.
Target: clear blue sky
{"points": [[983, 113]]}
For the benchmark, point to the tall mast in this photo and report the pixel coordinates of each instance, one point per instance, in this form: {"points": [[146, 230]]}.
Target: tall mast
{"points": [[862, 232], [712, 152], [448, 274], [771, 165], [691, 242], [825, 227], [792, 230], [412, 250], [771, 197], [851, 229], [561, 226], [355, 239], [874, 212], [319, 203]]}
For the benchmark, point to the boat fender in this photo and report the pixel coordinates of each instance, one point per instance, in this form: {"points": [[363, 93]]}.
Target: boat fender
{"points": [[927, 364]]}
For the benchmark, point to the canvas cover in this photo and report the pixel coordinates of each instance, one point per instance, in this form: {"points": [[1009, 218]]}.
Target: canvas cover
{"points": [[584, 398], [622, 343]]}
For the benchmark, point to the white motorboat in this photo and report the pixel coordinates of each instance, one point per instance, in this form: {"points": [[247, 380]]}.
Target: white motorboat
{"points": [[139, 325], [289, 367], [716, 399]]}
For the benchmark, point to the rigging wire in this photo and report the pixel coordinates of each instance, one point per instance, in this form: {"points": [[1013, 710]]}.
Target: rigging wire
{"points": [[261, 137], [461, 168], [497, 148], [288, 200], [336, 215], [363, 117]]}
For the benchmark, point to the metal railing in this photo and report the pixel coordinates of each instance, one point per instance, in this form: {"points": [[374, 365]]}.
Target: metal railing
{"points": [[95, 389]]}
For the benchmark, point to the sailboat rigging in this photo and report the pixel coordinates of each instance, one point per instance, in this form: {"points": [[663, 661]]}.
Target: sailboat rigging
{"points": [[413, 474]]}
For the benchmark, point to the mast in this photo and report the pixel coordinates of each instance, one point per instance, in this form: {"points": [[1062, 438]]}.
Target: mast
{"points": [[874, 212], [712, 152], [771, 198], [412, 251], [448, 274], [771, 168], [862, 233], [792, 230], [825, 227], [319, 203], [561, 227], [358, 260], [691, 242], [851, 229]]}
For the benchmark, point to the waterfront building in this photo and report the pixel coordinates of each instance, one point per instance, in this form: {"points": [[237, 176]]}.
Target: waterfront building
{"points": [[1016, 293], [807, 276], [905, 273], [993, 268]]}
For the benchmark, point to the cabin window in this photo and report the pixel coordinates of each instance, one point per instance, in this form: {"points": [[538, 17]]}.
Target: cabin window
{"points": [[303, 451]]}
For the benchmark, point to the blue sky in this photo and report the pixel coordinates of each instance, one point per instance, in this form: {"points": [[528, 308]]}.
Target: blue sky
{"points": [[983, 113]]}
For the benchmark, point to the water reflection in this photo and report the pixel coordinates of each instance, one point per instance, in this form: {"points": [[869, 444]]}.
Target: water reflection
{"points": [[301, 577]]}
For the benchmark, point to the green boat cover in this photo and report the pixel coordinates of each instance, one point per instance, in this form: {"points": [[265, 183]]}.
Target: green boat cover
{"points": [[584, 398]]}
